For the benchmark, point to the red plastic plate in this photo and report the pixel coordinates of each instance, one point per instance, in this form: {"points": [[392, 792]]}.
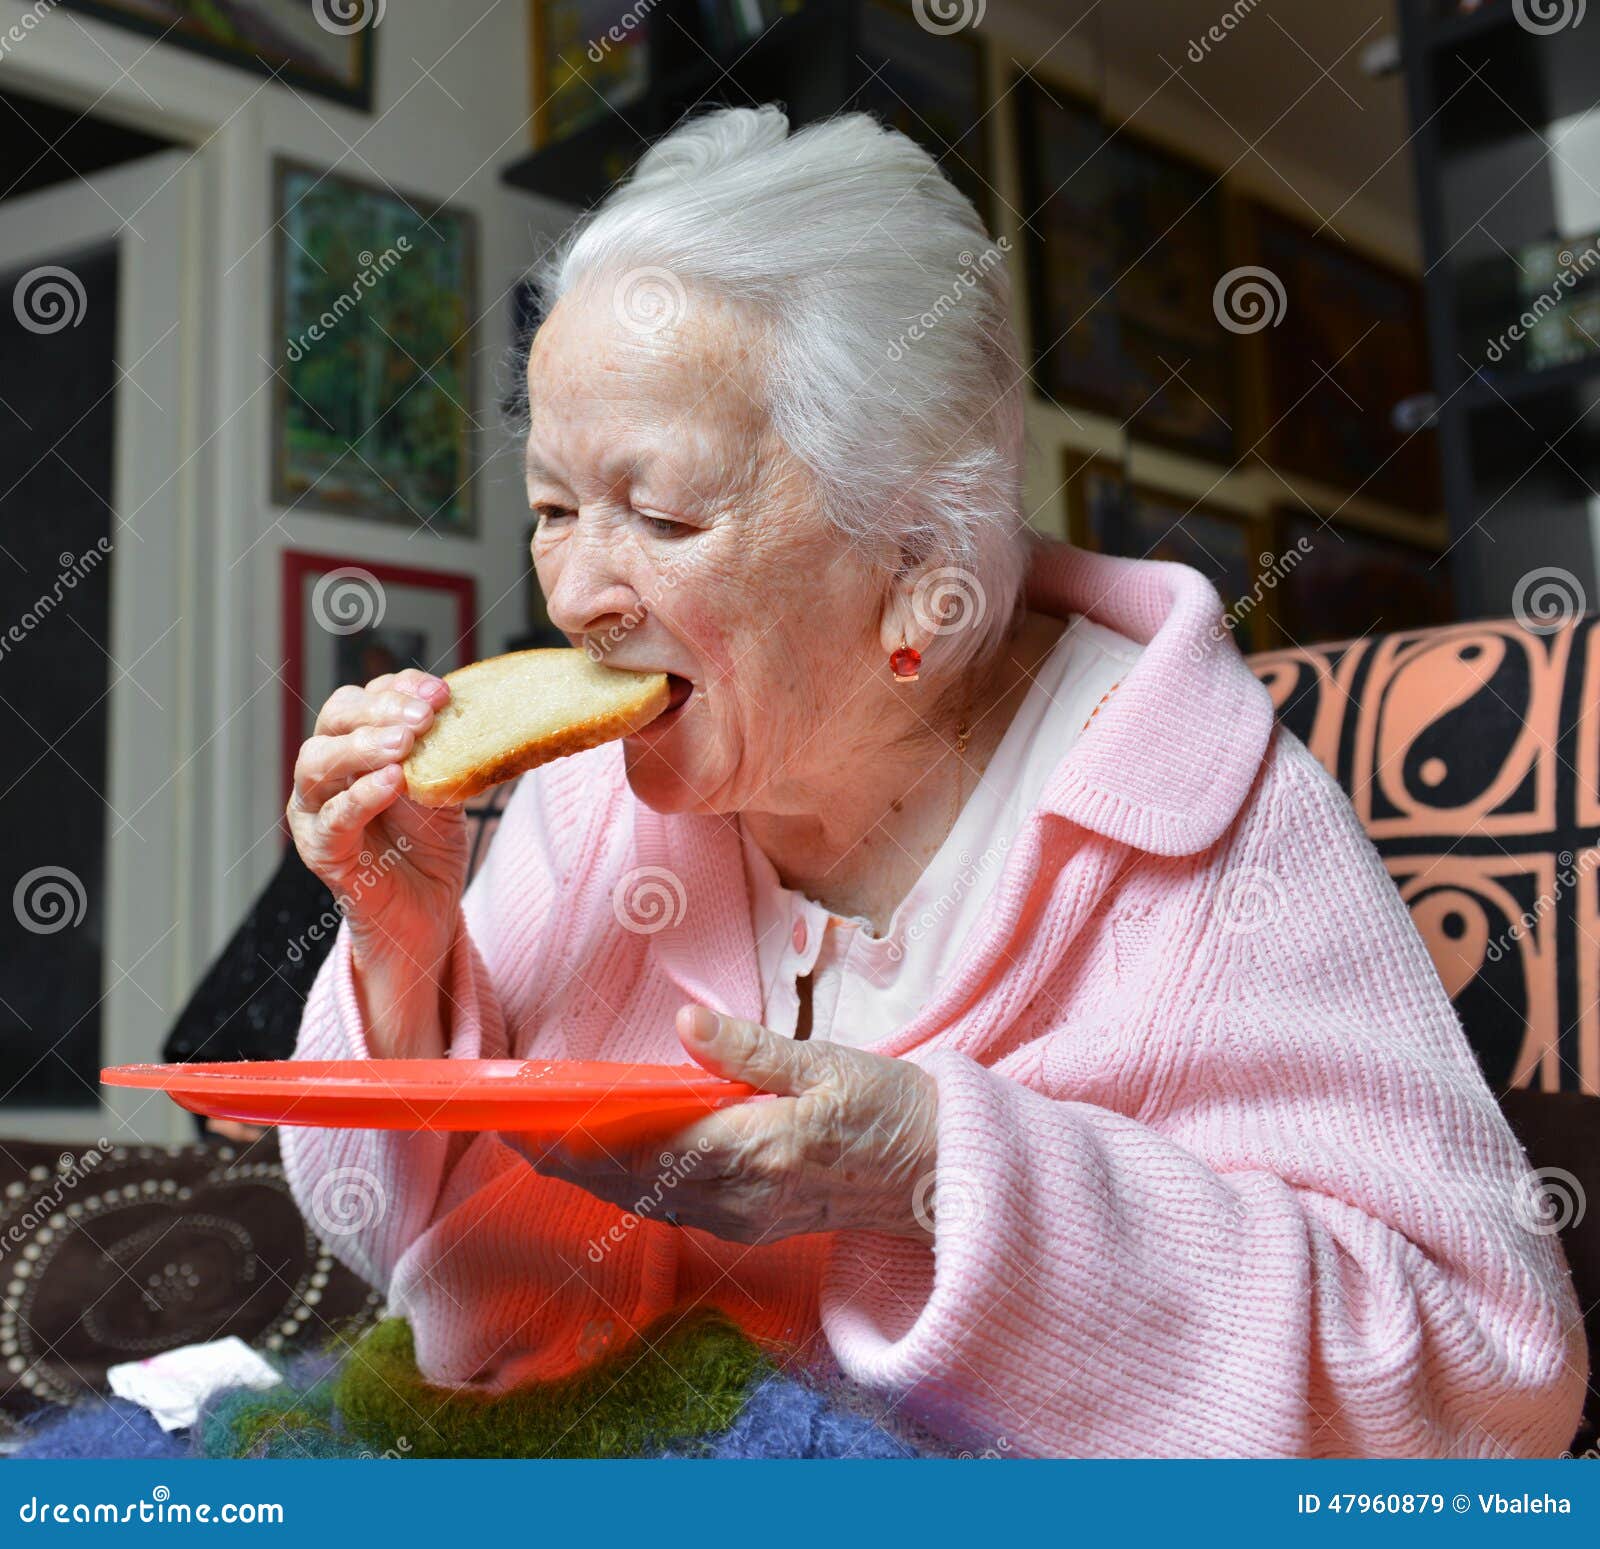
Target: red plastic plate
{"points": [[532, 1096]]}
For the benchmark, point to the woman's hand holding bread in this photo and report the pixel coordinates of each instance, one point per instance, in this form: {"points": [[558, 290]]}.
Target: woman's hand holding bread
{"points": [[375, 809], [396, 868]]}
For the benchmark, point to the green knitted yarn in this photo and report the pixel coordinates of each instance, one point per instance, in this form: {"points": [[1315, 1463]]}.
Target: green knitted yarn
{"points": [[683, 1381], [278, 1422]]}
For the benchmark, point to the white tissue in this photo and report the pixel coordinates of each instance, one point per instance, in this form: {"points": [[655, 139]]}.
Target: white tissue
{"points": [[174, 1384]]}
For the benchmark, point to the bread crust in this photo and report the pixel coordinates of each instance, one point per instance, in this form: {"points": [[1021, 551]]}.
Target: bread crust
{"points": [[575, 738]]}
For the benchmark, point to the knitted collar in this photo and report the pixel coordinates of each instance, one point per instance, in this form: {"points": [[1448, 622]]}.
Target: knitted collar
{"points": [[1170, 757]]}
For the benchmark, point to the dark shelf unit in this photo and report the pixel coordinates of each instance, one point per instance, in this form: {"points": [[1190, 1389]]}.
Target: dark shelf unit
{"points": [[1445, 31], [1520, 447], [822, 59], [805, 60]]}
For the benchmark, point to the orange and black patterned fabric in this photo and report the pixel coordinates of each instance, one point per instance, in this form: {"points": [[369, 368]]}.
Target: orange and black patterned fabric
{"points": [[1471, 753]]}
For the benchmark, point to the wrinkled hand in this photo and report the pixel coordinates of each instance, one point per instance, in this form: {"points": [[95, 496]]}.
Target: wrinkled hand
{"points": [[233, 1129], [848, 1143]]}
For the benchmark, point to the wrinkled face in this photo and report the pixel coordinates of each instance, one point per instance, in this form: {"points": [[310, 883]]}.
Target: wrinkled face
{"points": [[677, 534]]}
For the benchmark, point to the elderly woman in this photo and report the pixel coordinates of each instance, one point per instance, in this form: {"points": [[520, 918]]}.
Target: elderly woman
{"points": [[1116, 1106]]}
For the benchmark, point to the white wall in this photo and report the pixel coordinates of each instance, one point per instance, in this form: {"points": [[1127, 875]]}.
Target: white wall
{"points": [[450, 110]]}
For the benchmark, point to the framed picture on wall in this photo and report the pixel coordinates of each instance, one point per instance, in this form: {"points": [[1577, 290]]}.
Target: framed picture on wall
{"points": [[316, 47], [589, 57], [1349, 343], [930, 85], [374, 298], [348, 620], [1125, 243], [1350, 582], [1111, 516]]}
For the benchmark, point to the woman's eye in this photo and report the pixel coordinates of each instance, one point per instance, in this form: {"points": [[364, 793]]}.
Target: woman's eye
{"points": [[665, 527], [548, 514]]}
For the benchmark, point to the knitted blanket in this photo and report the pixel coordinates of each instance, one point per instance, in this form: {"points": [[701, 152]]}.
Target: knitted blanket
{"points": [[690, 1387]]}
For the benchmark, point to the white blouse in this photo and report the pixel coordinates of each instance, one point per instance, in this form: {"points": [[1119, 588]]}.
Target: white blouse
{"points": [[864, 986]]}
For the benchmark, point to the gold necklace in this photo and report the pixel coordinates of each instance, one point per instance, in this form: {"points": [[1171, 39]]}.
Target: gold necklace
{"points": [[963, 737]]}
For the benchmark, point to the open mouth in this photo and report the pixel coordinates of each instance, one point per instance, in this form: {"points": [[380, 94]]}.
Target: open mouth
{"points": [[678, 690]]}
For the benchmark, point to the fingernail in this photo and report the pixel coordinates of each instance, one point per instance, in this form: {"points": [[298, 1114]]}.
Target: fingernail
{"points": [[394, 739], [416, 711], [431, 686], [706, 1024]]}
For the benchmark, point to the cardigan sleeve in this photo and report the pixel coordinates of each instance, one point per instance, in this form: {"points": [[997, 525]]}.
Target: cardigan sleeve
{"points": [[1265, 1206], [369, 1194]]}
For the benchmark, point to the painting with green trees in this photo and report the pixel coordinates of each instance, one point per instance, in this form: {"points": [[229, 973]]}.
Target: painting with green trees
{"points": [[374, 311]]}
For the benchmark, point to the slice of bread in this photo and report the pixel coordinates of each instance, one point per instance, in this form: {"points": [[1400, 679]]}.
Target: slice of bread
{"points": [[512, 713]]}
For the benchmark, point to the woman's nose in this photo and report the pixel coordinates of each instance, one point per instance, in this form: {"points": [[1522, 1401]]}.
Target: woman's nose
{"points": [[588, 593]]}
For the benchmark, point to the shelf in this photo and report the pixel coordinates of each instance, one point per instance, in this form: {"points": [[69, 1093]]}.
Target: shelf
{"points": [[1503, 82], [1538, 448], [1454, 30], [1493, 389], [579, 167], [798, 60]]}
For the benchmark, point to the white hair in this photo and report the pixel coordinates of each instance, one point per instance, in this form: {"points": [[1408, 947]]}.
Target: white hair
{"points": [[891, 365]]}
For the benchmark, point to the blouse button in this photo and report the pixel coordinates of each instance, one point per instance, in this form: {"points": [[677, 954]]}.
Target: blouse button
{"points": [[799, 937]]}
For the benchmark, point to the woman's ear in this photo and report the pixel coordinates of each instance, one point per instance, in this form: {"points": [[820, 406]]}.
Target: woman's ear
{"points": [[901, 611], [900, 625]]}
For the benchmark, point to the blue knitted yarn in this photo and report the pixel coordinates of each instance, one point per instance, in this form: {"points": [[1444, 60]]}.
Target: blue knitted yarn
{"points": [[785, 1419], [100, 1428]]}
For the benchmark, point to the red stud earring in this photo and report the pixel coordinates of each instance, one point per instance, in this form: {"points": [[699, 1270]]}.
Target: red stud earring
{"points": [[905, 662]]}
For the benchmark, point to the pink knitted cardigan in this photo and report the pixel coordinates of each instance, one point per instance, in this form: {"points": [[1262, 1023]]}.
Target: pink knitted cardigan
{"points": [[1218, 1171]]}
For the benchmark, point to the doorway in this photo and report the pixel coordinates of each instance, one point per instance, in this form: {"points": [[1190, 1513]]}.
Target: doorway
{"points": [[97, 527]]}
